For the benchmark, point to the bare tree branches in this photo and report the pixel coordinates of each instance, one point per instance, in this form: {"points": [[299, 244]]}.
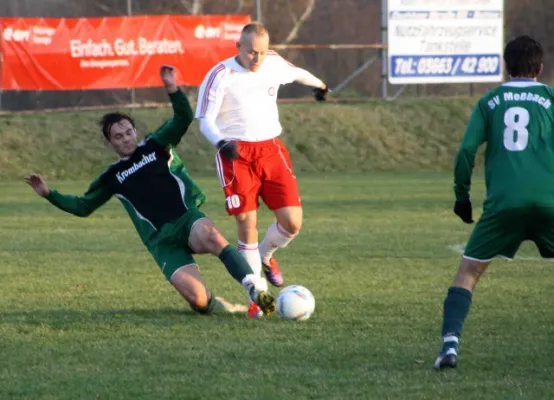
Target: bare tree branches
{"points": [[194, 7], [240, 5], [300, 21]]}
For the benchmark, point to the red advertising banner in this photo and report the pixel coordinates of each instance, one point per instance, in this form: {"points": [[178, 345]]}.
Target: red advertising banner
{"points": [[114, 52]]}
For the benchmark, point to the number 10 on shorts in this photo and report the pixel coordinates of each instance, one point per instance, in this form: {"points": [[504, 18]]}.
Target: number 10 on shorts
{"points": [[232, 201]]}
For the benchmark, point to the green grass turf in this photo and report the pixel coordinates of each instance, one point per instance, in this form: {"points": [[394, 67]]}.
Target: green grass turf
{"points": [[86, 314], [403, 135]]}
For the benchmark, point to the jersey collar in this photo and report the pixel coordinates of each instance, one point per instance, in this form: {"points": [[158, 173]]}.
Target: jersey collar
{"points": [[522, 83]]}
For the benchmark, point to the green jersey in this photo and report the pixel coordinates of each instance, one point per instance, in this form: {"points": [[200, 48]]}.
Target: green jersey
{"points": [[153, 183], [517, 122]]}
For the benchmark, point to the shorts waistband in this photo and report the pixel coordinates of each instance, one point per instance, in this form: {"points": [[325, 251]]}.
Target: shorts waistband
{"points": [[257, 142]]}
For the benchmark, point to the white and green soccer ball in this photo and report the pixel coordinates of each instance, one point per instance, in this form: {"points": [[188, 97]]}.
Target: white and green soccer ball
{"points": [[295, 302]]}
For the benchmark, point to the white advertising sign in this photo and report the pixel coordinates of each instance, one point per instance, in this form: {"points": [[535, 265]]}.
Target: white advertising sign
{"points": [[445, 41]]}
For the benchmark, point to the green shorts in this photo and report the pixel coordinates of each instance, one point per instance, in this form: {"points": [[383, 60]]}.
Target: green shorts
{"points": [[500, 233], [170, 246]]}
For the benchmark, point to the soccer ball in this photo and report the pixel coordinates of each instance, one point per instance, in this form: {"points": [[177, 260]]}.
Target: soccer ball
{"points": [[295, 303]]}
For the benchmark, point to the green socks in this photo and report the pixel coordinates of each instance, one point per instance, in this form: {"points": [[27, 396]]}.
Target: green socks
{"points": [[237, 266], [456, 308], [235, 263]]}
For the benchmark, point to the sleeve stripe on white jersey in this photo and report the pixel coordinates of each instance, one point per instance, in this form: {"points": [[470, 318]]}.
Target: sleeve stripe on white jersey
{"points": [[211, 80]]}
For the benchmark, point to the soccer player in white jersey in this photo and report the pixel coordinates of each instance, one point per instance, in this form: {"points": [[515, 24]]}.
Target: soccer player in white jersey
{"points": [[237, 111]]}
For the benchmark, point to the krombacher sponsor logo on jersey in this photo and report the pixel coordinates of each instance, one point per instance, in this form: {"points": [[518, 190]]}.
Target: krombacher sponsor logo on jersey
{"points": [[146, 159]]}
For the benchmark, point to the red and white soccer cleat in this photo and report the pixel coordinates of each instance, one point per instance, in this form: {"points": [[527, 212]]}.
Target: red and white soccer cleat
{"points": [[254, 311]]}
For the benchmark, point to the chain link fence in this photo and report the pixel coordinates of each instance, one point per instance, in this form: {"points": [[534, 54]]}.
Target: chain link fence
{"points": [[356, 71]]}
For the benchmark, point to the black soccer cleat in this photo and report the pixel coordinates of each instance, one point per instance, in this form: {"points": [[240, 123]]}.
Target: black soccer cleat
{"points": [[446, 360], [263, 299], [266, 302]]}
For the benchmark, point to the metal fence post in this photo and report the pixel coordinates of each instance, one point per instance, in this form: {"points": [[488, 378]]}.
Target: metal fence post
{"points": [[384, 53], [259, 10], [130, 13]]}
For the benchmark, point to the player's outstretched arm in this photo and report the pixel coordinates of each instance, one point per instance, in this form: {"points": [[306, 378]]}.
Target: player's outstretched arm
{"points": [[38, 184], [81, 206], [171, 132], [307, 78], [465, 161]]}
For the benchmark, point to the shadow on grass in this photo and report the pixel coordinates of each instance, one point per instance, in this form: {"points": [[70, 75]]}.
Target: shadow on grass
{"points": [[61, 318]]}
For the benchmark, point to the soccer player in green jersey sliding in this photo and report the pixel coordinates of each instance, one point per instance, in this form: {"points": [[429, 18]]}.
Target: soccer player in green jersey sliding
{"points": [[163, 202], [516, 120]]}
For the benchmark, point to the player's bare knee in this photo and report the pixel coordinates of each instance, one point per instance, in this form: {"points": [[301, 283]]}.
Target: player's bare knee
{"points": [[469, 273], [474, 268], [215, 240], [290, 219], [292, 226], [249, 219]]}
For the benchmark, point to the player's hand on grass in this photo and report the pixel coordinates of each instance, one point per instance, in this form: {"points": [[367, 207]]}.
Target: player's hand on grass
{"points": [[228, 149], [167, 74], [320, 94], [464, 210], [38, 183]]}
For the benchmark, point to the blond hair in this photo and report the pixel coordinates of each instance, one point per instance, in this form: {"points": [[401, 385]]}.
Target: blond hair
{"points": [[256, 28]]}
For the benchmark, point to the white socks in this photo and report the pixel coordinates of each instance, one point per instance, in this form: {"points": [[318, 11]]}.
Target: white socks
{"points": [[275, 238], [254, 284], [251, 254]]}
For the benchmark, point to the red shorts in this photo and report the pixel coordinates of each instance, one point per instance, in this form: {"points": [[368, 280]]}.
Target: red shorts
{"points": [[263, 170]]}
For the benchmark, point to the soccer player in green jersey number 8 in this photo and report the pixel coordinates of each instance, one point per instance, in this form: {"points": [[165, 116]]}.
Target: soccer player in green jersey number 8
{"points": [[516, 120], [163, 202]]}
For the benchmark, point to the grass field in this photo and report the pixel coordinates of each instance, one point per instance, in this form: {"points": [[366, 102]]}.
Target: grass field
{"points": [[85, 313]]}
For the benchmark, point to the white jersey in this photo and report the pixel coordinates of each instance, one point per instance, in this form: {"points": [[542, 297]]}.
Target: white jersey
{"points": [[243, 104]]}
